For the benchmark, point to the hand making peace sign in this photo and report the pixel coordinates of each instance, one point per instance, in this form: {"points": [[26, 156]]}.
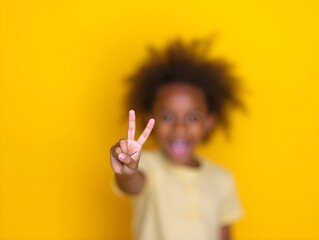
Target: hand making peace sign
{"points": [[125, 154]]}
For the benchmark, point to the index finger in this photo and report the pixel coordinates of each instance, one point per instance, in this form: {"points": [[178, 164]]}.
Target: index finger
{"points": [[131, 125], [147, 131]]}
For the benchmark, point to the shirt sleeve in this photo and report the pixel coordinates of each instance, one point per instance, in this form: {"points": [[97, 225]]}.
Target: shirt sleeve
{"points": [[145, 166], [232, 209]]}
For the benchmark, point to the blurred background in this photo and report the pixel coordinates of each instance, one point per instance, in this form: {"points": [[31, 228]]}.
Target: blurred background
{"points": [[62, 65]]}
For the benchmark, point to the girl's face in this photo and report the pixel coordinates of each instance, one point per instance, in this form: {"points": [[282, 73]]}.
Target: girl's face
{"points": [[182, 121]]}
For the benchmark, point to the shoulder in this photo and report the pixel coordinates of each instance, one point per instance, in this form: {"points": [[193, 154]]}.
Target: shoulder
{"points": [[216, 169], [152, 156], [150, 159], [149, 153], [217, 173]]}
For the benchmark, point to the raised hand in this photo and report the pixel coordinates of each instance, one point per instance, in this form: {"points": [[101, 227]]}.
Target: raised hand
{"points": [[125, 154]]}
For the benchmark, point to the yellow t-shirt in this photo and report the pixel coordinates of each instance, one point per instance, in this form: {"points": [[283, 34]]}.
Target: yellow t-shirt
{"points": [[181, 203]]}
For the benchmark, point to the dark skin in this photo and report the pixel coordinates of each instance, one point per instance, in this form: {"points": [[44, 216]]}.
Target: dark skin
{"points": [[125, 156], [181, 116], [225, 233]]}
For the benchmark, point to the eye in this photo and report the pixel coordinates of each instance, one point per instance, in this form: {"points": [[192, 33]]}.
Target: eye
{"points": [[192, 118], [168, 117]]}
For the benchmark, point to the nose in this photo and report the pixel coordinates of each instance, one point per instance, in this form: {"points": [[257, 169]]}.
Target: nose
{"points": [[179, 128]]}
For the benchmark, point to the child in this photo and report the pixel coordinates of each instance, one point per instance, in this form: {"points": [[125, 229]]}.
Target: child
{"points": [[176, 194]]}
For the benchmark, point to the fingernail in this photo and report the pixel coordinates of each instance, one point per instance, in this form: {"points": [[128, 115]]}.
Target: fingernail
{"points": [[121, 156]]}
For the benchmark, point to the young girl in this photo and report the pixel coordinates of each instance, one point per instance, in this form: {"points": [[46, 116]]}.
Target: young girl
{"points": [[176, 194]]}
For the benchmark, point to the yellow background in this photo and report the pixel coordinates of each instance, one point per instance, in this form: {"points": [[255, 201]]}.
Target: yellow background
{"points": [[61, 69]]}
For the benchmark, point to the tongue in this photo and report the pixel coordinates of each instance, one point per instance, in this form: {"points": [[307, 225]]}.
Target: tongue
{"points": [[179, 149]]}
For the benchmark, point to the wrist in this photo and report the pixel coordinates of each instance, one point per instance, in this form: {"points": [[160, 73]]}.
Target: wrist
{"points": [[127, 176]]}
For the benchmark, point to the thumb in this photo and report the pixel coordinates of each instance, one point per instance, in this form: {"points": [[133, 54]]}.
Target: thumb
{"points": [[128, 161]]}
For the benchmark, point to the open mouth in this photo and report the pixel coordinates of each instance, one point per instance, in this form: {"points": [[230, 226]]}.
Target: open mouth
{"points": [[179, 147]]}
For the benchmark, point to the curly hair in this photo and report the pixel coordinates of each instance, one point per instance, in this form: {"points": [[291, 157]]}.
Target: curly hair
{"points": [[190, 64]]}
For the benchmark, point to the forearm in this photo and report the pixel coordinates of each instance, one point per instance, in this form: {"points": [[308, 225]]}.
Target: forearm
{"points": [[225, 233], [131, 184]]}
